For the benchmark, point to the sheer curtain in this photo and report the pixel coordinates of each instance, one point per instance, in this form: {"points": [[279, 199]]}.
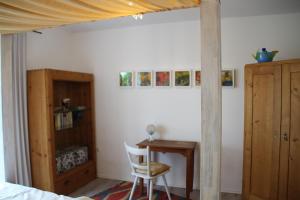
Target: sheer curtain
{"points": [[14, 109], [2, 178]]}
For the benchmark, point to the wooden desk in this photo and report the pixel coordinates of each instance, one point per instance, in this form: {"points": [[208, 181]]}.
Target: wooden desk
{"points": [[187, 149]]}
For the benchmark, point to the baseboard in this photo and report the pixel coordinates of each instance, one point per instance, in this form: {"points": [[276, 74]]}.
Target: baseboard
{"points": [[196, 187], [230, 190], [113, 178], [224, 190]]}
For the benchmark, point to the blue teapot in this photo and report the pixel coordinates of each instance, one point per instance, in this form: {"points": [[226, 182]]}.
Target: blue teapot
{"points": [[264, 55]]}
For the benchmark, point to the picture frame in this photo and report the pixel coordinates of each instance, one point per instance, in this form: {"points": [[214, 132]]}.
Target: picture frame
{"points": [[162, 78], [126, 79], [144, 78], [228, 78], [197, 77], [182, 78]]}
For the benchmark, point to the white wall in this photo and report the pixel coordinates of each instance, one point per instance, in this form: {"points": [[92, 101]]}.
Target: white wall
{"points": [[122, 114], [52, 49]]}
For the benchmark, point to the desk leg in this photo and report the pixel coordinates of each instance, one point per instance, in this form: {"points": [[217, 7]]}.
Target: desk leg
{"points": [[189, 172], [141, 159]]}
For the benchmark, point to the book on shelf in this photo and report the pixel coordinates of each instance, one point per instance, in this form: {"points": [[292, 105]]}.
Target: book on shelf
{"points": [[63, 120]]}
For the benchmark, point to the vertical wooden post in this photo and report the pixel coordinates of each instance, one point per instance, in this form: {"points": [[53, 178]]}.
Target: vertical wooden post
{"points": [[211, 98]]}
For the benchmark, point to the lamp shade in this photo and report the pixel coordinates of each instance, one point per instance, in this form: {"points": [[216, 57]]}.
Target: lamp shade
{"points": [[151, 129]]}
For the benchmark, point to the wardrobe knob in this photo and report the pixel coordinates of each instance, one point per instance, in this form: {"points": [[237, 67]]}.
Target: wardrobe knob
{"points": [[285, 137]]}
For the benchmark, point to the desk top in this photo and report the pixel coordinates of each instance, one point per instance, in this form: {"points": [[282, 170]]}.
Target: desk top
{"points": [[173, 144]]}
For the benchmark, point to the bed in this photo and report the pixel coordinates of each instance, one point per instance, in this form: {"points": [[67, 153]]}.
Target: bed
{"points": [[10, 191]]}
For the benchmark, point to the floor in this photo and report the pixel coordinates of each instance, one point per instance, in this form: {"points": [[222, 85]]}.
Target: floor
{"points": [[100, 185]]}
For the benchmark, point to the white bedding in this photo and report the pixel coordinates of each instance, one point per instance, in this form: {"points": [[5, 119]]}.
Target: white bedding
{"points": [[10, 191]]}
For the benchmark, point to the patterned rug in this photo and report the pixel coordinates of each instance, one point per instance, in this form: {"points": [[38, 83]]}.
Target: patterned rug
{"points": [[122, 191]]}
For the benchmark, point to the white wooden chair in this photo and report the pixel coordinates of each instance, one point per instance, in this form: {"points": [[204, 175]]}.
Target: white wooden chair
{"points": [[147, 170]]}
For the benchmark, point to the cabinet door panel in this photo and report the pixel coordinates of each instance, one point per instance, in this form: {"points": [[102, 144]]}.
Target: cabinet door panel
{"points": [[262, 132], [291, 127], [294, 175]]}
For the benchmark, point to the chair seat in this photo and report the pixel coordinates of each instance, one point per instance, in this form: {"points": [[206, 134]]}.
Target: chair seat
{"points": [[155, 168]]}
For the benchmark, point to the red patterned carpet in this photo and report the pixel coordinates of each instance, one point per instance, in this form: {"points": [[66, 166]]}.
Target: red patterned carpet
{"points": [[122, 192]]}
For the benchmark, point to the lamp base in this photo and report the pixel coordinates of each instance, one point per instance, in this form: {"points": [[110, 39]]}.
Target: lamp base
{"points": [[150, 138]]}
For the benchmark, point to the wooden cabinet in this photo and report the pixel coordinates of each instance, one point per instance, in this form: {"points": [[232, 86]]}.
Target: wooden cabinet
{"points": [[272, 131], [47, 90]]}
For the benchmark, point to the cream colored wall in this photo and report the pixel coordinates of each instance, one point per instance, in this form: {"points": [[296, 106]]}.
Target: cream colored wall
{"points": [[122, 114]]}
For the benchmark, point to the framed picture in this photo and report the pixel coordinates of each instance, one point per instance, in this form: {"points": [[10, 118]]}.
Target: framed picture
{"points": [[182, 78], [144, 78], [162, 78], [126, 79], [228, 78], [197, 78]]}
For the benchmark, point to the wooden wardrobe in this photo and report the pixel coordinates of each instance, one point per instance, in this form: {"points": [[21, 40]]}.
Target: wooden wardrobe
{"points": [[272, 131], [47, 89]]}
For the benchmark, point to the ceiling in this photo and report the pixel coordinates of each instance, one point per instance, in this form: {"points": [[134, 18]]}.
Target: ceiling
{"points": [[229, 8], [21, 15]]}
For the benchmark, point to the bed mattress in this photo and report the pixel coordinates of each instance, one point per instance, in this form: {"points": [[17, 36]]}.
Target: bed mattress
{"points": [[10, 191]]}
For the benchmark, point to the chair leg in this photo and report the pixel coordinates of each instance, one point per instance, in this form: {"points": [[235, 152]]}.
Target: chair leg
{"points": [[133, 188], [148, 185], [166, 186], [151, 189]]}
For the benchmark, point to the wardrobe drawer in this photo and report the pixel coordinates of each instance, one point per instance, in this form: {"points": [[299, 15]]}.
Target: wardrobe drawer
{"points": [[70, 183]]}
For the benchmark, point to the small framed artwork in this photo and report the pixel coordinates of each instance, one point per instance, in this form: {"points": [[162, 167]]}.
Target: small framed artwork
{"points": [[144, 78], [182, 78], [126, 79], [197, 78], [162, 78], [228, 78]]}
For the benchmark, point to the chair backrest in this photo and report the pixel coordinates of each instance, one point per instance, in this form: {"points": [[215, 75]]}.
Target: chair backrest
{"points": [[136, 152]]}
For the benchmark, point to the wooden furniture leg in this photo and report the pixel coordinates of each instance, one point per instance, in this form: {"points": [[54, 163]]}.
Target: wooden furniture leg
{"points": [[189, 172], [141, 159]]}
